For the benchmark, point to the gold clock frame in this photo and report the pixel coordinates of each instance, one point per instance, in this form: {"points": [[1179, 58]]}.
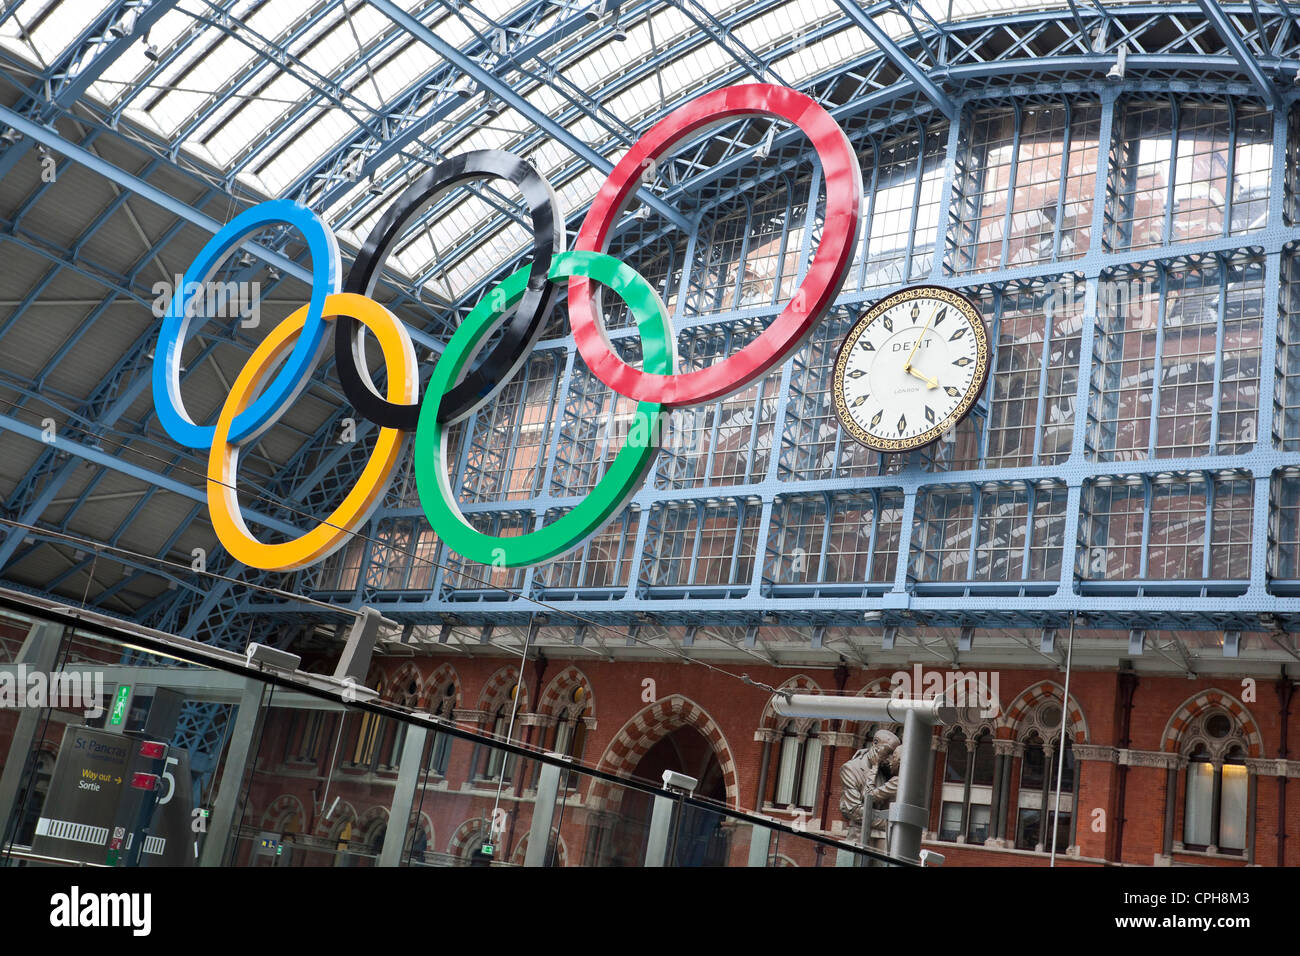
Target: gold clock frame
{"points": [[954, 418]]}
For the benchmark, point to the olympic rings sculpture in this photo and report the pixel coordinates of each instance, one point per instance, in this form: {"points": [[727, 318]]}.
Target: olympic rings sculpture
{"points": [[462, 381]]}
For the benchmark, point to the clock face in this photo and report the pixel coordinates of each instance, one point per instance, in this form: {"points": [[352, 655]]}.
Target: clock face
{"points": [[911, 368]]}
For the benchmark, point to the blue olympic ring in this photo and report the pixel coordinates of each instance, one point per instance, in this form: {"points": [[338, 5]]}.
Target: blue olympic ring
{"points": [[296, 371]]}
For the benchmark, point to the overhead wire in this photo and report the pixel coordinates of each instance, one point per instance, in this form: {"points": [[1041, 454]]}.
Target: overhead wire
{"points": [[487, 583]]}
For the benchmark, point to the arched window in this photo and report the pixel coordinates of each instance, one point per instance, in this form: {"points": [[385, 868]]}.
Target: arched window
{"points": [[444, 704], [495, 762], [798, 756], [967, 797], [1036, 803], [1216, 796], [570, 735]]}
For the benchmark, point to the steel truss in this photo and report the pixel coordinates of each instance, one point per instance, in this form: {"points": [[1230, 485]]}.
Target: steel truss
{"points": [[712, 541]]}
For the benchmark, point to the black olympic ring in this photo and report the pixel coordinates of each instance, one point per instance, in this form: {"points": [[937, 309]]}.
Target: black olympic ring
{"points": [[524, 327]]}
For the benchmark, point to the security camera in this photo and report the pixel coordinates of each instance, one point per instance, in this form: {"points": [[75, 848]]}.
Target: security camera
{"points": [[263, 656], [930, 858], [1116, 72], [679, 781]]}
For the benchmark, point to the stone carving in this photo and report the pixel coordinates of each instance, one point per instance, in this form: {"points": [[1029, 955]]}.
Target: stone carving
{"points": [[871, 773]]}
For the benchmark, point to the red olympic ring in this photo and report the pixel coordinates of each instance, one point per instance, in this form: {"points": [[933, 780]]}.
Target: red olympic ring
{"points": [[815, 294]]}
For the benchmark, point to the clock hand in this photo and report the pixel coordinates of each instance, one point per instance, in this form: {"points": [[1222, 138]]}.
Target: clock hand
{"points": [[907, 366], [930, 382]]}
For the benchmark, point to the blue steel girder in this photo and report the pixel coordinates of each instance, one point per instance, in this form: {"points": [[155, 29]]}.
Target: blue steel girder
{"points": [[625, 78], [508, 95], [906, 65], [560, 178], [1155, 252], [1214, 13], [80, 65], [273, 54], [414, 118]]}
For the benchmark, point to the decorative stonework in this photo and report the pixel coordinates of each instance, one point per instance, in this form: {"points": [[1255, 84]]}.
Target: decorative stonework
{"points": [[1096, 752], [1183, 723], [435, 686], [1267, 767], [558, 694], [281, 812], [466, 833], [406, 687], [1029, 700], [1005, 748], [497, 690], [1149, 758]]}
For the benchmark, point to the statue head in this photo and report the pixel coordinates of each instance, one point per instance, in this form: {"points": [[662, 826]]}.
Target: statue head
{"points": [[884, 743]]}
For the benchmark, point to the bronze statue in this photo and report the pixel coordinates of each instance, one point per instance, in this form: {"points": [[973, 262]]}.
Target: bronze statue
{"points": [[860, 777]]}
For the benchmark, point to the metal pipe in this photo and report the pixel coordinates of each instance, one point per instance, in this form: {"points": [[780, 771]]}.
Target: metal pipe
{"points": [[908, 814], [893, 710]]}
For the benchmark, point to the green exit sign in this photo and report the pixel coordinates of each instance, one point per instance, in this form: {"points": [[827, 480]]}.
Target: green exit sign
{"points": [[119, 705], [486, 849]]}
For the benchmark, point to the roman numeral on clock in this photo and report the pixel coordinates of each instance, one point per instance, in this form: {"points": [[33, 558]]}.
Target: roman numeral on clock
{"points": [[858, 401], [916, 313], [902, 423], [857, 373], [929, 414], [958, 334], [876, 421], [867, 346], [940, 316], [889, 324], [952, 392], [963, 361]]}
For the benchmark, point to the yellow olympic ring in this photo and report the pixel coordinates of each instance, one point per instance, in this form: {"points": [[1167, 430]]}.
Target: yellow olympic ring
{"points": [[223, 463]]}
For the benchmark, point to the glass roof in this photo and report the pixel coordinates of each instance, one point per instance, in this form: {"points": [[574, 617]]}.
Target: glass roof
{"points": [[266, 91]]}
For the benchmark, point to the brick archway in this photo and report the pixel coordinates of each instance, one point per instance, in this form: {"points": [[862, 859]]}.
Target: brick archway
{"points": [[561, 684], [650, 725], [399, 684], [439, 679], [561, 850], [1031, 697], [469, 831], [1197, 704], [281, 810], [497, 690]]}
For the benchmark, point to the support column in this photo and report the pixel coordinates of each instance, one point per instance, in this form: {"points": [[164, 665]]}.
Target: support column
{"points": [[1252, 793], [1005, 751], [39, 652], [243, 736], [1171, 800], [408, 780], [965, 790], [539, 832], [661, 827], [760, 841], [907, 814]]}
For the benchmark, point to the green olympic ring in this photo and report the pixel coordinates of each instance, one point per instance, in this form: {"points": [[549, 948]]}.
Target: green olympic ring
{"points": [[624, 474]]}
